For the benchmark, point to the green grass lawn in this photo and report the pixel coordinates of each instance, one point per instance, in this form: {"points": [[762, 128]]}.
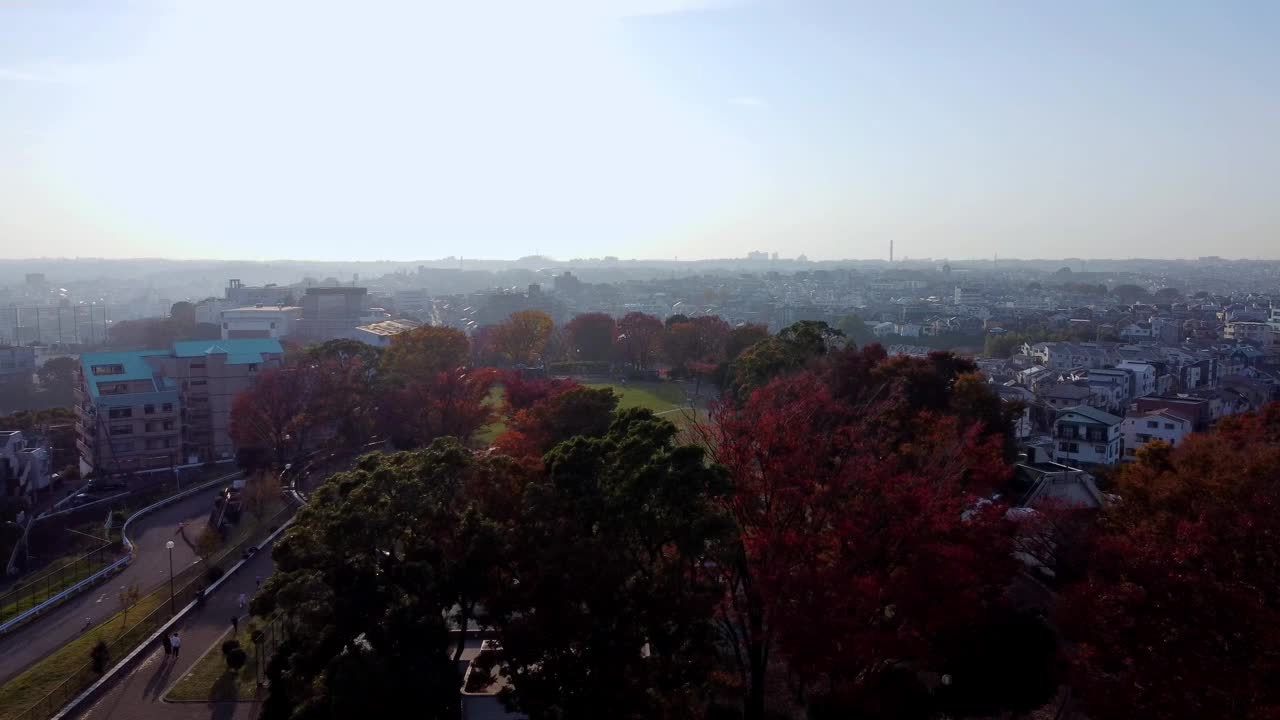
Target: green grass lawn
{"points": [[499, 425], [660, 397], [34, 684], [51, 583], [663, 398], [210, 680]]}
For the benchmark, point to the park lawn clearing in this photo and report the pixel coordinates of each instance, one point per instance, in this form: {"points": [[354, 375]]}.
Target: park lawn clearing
{"points": [[666, 400], [660, 397], [490, 432], [210, 680]]}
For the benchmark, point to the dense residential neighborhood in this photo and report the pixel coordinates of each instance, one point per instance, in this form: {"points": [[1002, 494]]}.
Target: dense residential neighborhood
{"points": [[1013, 413]]}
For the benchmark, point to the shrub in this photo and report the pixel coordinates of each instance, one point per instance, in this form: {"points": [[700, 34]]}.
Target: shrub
{"points": [[237, 658], [230, 645], [580, 367], [100, 657]]}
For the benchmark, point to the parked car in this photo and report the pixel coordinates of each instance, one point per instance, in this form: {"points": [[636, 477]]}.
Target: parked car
{"points": [[82, 499]]}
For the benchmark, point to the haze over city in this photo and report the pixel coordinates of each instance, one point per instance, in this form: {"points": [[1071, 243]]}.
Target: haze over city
{"points": [[642, 128]]}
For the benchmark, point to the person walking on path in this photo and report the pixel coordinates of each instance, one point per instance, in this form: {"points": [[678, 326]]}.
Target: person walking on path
{"points": [[242, 600], [257, 581], [235, 625], [168, 646], [176, 642]]}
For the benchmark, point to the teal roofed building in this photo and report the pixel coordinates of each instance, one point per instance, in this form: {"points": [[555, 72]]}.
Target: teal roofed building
{"points": [[152, 410]]}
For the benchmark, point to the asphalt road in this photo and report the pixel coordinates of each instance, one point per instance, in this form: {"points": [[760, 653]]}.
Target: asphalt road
{"points": [[150, 569], [139, 693]]}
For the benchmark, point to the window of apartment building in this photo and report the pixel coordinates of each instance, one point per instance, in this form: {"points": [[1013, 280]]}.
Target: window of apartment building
{"points": [[126, 446], [1131, 451], [157, 443], [1153, 424], [117, 413], [167, 407], [197, 366], [113, 389], [253, 367], [199, 382], [121, 429], [1144, 438], [1100, 449], [1168, 426], [108, 370], [149, 409], [1068, 447], [152, 426], [168, 424]]}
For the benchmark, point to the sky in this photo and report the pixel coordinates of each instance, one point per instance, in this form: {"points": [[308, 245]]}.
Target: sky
{"points": [[688, 129]]}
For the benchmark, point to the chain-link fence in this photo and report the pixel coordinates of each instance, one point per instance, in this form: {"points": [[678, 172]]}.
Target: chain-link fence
{"points": [[187, 585], [273, 633], [30, 594]]}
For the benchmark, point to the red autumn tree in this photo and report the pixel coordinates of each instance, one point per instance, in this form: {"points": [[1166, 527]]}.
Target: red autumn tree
{"points": [[556, 418], [1179, 613], [837, 523], [278, 412], [741, 338], [522, 393], [712, 334], [590, 336], [452, 404], [640, 338]]}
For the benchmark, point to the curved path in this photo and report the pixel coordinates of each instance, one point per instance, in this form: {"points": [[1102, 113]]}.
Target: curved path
{"points": [[149, 569], [138, 694]]}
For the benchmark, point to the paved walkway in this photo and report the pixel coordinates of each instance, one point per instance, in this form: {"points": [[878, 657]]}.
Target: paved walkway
{"points": [[139, 693], [150, 569]]}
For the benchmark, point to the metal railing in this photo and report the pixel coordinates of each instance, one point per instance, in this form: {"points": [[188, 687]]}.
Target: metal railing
{"points": [[188, 585], [33, 593]]}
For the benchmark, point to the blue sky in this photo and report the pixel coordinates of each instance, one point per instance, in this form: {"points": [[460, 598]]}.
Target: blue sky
{"points": [[638, 128]]}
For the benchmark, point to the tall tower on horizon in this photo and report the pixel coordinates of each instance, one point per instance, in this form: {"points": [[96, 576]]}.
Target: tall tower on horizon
{"points": [[890, 249]]}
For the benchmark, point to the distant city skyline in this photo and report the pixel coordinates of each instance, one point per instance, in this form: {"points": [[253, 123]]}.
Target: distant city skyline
{"points": [[648, 129]]}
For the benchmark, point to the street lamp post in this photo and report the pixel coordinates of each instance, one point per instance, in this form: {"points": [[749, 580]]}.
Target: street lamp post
{"points": [[172, 609]]}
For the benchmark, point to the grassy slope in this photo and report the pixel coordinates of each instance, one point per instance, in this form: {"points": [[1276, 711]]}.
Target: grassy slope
{"points": [[210, 680], [42, 678]]}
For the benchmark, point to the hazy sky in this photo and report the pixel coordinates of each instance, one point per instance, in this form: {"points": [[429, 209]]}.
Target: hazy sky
{"points": [[638, 128]]}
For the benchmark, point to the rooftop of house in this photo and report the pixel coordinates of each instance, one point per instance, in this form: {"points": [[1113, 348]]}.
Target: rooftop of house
{"points": [[389, 327], [1093, 414], [113, 367], [266, 309], [237, 351], [1066, 390], [1155, 413]]}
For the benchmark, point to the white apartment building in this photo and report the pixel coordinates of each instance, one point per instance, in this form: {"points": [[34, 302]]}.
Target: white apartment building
{"points": [[1141, 428], [1144, 377], [1087, 436], [260, 322]]}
